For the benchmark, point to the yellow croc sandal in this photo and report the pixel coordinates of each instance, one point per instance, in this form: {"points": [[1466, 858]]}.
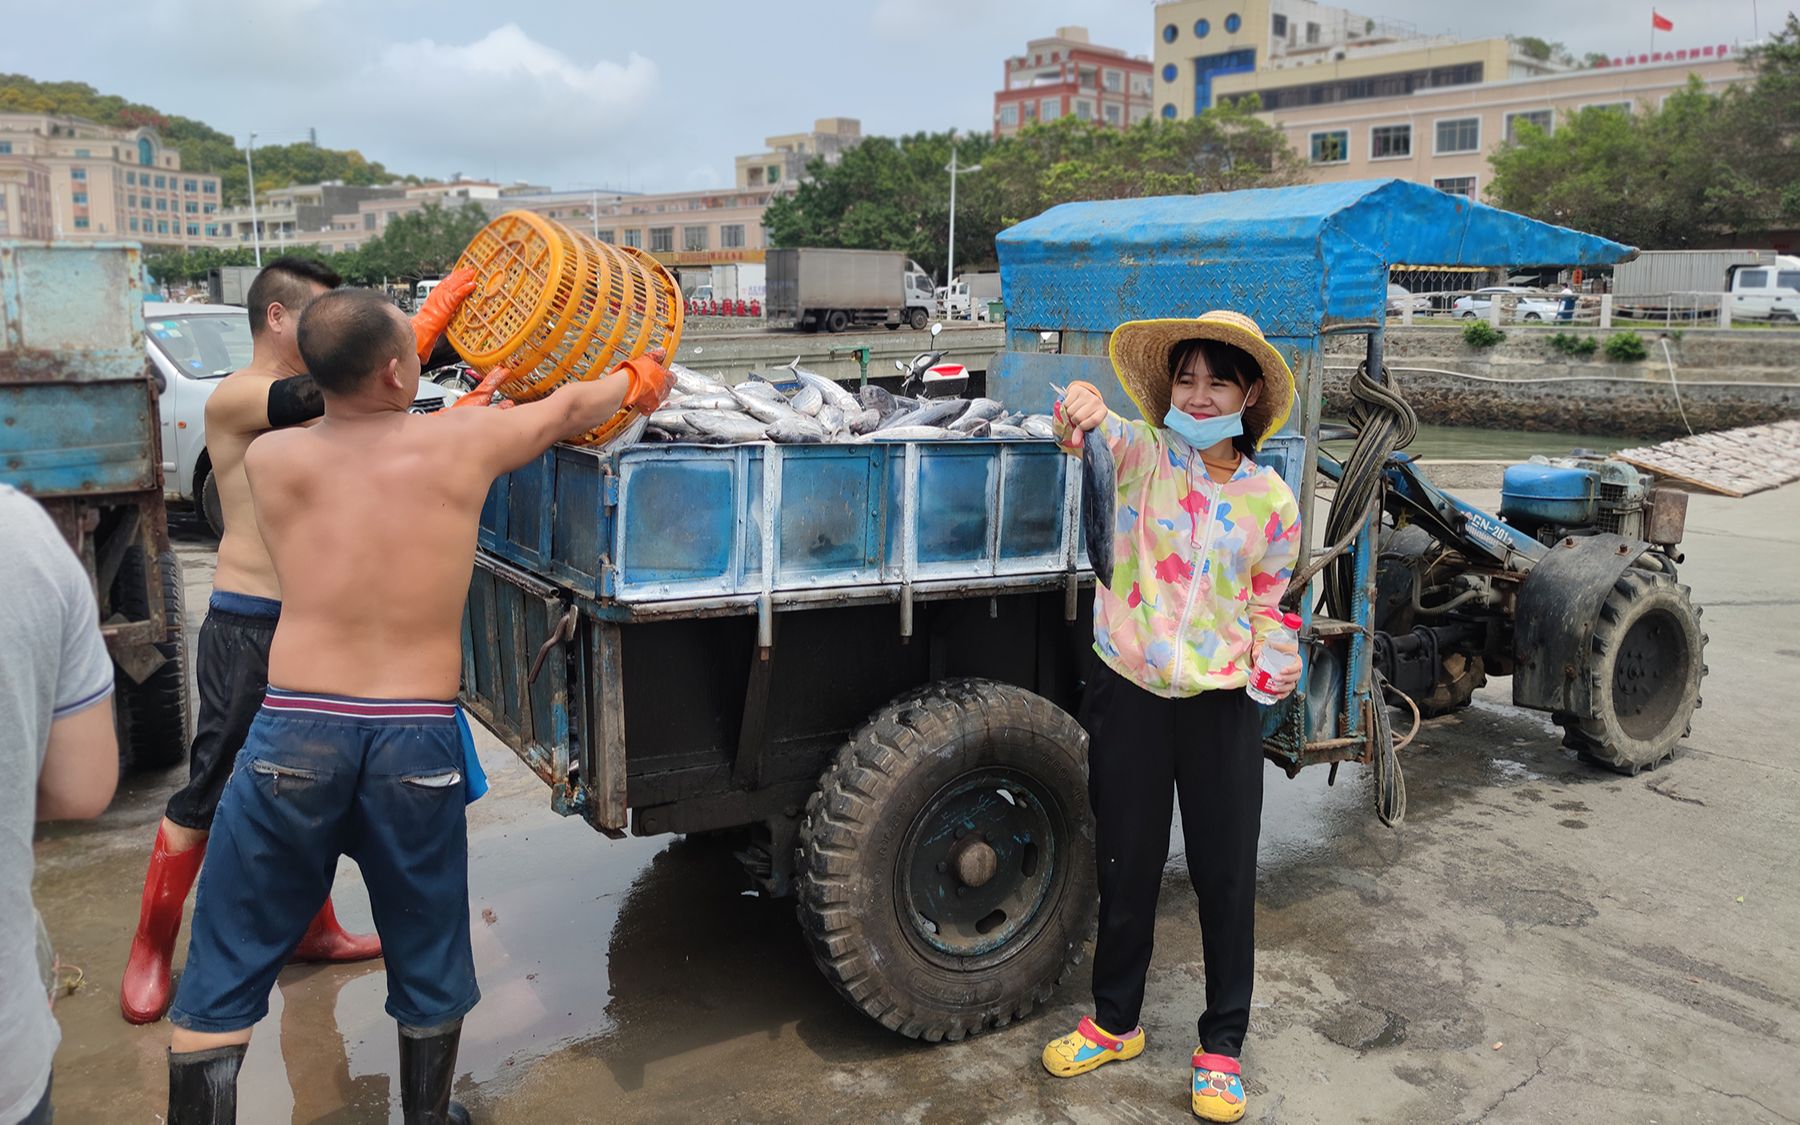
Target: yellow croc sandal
{"points": [[1088, 1047], [1218, 1088]]}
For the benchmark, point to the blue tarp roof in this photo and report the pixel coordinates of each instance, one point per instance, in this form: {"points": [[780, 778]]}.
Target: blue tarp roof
{"points": [[1295, 259]]}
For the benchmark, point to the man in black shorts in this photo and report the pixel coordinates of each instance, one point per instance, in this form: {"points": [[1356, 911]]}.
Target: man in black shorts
{"points": [[231, 661]]}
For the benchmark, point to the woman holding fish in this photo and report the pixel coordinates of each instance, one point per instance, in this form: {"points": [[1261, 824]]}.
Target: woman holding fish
{"points": [[1203, 541]]}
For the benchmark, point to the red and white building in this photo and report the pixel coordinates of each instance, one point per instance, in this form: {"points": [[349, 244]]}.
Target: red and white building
{"points": [[1065, 75]]}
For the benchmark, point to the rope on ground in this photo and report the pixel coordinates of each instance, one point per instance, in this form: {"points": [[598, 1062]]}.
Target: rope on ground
{"points": [[1390, 779]]}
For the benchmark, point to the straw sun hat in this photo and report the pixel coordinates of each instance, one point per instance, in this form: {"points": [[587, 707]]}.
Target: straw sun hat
{"points": [[1140, 352]]}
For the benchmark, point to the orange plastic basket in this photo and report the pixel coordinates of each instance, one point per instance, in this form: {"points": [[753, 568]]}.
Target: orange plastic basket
{"points": [[554, 305]]}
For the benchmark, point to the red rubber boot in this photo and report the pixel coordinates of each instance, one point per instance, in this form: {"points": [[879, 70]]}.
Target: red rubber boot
{"points": [[325, 940], [144, 993]]}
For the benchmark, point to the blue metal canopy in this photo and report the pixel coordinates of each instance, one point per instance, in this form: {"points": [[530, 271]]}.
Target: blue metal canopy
{"points": [[1297, 259]]}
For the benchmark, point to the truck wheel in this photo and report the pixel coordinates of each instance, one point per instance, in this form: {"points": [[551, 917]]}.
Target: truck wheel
{"points": [[210, 505], [153, 716], [1645, 662], [917, 319], [946, 864], [837, 320]]}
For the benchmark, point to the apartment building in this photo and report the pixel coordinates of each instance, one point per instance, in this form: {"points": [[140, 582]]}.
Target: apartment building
{"points": [[1066, 75]]}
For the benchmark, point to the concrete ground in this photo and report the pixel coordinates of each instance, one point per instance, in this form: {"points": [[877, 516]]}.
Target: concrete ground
{"points": [[1539, 941]]}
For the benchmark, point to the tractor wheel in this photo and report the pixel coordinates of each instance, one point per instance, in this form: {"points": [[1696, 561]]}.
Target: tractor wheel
{"points": [[946, 863], [153, 717], [1646, 659]]}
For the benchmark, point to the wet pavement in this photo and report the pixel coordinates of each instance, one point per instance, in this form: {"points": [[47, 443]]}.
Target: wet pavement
{"points": [[1539, 940]]}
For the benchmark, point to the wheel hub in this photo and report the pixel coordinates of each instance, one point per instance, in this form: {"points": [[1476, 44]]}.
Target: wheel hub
{"points": [[978, 863]]}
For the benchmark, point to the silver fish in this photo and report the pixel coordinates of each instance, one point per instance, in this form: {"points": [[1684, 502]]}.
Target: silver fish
{"points": [[671, 421], [914, 433], [691, 382], [797, 431], [1002, 430], [865, 421], [726, 425], [834, 392], [932, 412], [808, 400], [723, 400], [832, 418], [758, 387], [878, 399], [1039, 426], [968, 424], [984, 408], [1099, 503], [764, 410]]}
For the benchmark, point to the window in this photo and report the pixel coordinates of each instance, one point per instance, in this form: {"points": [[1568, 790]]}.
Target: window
{"points": [[83, 154], [608, 236], [1456, 185], [1278, 24], [1312, 34], [1114, 115], [695, 238], [78, 173], [191, 207], [1084, 109], [774, 173], [1331, 148], [731, 236], [1169, 33], [131, 179], [1390, 142], [81, 222], [1170, 72], [212, 230], [1139, 113], [1168, 112], [1788, 279], [1459, 134], [368, 219], [210, 208], [162, 205], [1202, 28], [190, 185], [194, 229], [1611, 107], [634, 239], [662, 240], [79, 197], [1140, 85], [1009, 114], [1542, 118], [1752, 279], [210, 188], [5, 148], [1232, 23], [160, 182], [1114, 80], [1049, 109], [134, 223]]}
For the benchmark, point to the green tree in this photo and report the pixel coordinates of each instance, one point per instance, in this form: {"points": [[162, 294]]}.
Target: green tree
{"points": [[894, 193], [1686, 173], [422, 243]]}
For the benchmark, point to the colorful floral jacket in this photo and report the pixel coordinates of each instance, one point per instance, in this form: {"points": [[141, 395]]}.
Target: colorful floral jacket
{"points": [[1199, 567]]}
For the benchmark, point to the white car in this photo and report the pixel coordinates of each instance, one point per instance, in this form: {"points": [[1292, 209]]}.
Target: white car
{"points": [[1531, 304], [1399, 298], [191, 348]]}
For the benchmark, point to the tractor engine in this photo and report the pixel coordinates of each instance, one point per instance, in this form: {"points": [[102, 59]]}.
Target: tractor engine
{"points": [[1553, 498]]}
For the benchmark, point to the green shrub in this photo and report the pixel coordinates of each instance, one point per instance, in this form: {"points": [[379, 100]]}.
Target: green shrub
{"points": [[1626, 347], [1570, 344], [1481, 334]]}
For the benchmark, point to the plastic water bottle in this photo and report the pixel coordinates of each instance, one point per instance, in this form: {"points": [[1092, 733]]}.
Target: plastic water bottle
{"points": [[1275, 661]]}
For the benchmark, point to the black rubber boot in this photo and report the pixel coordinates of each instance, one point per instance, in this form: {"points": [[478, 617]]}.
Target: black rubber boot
{"points": [[203, 1085], [427, 1067]]}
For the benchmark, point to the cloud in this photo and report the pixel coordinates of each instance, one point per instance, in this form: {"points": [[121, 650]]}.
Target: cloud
{"points": [[506, 58]]}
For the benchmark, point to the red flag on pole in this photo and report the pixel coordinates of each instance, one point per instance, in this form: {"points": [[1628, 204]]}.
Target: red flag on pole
{"points": [[1660, 22]]}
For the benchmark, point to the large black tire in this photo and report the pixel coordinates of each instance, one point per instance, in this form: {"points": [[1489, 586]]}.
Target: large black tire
{"points": [[1645, 663], [968, 799], [837, 320], [154, 719], [210, 505], [917, 319]]}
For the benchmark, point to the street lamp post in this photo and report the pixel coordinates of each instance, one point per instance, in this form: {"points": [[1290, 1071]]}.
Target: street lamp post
{"points": [[255, 231], [950, 268]]}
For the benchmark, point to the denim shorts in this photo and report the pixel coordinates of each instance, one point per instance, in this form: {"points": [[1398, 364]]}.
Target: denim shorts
{"points": [[379, 780]]}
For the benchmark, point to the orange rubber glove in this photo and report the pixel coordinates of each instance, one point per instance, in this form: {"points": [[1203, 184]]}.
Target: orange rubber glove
{"points": [[434, 315], [650, 381], [483, 394]]}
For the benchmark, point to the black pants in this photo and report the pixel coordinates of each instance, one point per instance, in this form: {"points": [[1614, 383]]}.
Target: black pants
{"points": [[231, 670], [1142, 750]]}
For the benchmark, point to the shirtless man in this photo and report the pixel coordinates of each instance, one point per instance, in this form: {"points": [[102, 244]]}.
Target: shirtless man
{"points": [[272, 393], [370, 517]]}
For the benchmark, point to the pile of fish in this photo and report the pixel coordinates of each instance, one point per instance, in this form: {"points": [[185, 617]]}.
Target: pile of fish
{"points": [[814, 409]]}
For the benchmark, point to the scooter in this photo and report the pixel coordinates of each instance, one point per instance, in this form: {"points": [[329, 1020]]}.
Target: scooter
{"points": [[928, 377]]}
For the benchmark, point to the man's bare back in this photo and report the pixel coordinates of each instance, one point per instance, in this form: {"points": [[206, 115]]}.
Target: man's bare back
{"points": [[236, 416], [370, 518]]}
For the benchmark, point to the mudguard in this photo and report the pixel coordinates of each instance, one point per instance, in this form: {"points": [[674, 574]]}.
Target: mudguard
{"points": [[1553, 621]]}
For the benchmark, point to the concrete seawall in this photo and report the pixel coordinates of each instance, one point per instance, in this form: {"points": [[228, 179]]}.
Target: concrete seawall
{"points": [[1721, 379]]}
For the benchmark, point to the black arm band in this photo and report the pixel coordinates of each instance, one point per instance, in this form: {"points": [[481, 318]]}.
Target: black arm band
{"points": [[294, 400]]}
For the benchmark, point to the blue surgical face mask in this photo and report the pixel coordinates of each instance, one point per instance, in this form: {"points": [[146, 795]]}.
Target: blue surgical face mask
{"points": [[1204, 433]]}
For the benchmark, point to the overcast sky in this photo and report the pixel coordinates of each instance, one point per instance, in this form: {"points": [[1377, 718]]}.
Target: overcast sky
{"points": [[654, 94]]}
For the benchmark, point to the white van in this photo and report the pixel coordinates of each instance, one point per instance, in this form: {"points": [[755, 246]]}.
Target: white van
{"points": [[1767, 292]]}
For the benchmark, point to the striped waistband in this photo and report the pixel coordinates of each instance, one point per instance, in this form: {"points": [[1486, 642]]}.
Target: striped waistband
{"points": [[315, 704]]}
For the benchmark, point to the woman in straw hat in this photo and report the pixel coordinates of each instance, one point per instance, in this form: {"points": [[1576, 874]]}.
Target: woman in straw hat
{"points": [[1205, 541]]}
